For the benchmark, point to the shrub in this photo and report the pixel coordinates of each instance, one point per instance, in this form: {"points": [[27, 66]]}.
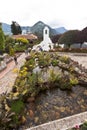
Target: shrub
{"points": [[17, 106], [54, 62], [2, 40], [30, 64], [20, 48], [11, 51], [84, 126], [22, 40], [64, 59], [73, 81], [44, 60]]}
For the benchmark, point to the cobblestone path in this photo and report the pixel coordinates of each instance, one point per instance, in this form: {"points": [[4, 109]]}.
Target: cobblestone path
{"points": [[7, 76]]}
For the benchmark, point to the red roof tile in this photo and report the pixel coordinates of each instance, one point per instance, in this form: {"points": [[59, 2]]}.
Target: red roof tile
{"points": [[27, 36]]}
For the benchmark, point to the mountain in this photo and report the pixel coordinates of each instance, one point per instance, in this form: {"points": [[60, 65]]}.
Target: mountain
{"points": [[61, 30], [26, 28], [38, 27], [6, 28]]}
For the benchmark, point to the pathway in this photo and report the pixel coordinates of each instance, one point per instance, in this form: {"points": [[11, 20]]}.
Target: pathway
{"points": [[80, 57], [7, 76]]}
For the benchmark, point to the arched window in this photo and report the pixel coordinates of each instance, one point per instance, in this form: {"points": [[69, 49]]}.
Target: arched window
{"points": [[45, 31]]}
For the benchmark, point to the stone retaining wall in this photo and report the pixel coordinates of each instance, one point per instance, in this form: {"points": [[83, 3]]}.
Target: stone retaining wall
{"points": [[64, 123], [3, 66], [6, 59]]}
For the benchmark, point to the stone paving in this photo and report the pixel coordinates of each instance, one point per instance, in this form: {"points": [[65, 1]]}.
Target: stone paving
{"points": [[7, 76], [63, 124], [80, 57]]}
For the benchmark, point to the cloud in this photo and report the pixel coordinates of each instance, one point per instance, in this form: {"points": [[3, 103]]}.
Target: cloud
{"points": [[68, 13]]}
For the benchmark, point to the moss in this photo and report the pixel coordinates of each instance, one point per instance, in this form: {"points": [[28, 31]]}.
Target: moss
{"points": [[17, 106]]}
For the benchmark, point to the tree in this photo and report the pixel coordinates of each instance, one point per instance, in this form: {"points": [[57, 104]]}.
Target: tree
{"points": [[15, 28], [82, 36], [79, 38], [9, 42], [68, 38], [55, 38], [2, 40]]}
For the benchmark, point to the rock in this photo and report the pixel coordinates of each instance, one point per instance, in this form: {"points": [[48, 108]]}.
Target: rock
{"points": [[28, 58], [83, 107], [46, 105], [31, 113], [66, 72], [62, 109], [44, 115], [39, 107], [67, 109], [31, 99], [23, 119], [85, 92], [36, 119], [56, 108], [57, 114]]}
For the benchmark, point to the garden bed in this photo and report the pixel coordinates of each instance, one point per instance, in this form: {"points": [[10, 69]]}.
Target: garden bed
{"points": [[47, 83]]}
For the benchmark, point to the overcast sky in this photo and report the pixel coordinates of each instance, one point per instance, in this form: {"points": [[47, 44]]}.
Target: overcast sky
{"points": [[71, 14]]}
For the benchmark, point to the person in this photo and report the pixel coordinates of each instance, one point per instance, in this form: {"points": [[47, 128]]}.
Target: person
{"points": [[26, 51], [40, 49], [15, 59]]}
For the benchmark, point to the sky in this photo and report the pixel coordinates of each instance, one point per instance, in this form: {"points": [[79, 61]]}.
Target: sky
{"points": [[71, 14]]}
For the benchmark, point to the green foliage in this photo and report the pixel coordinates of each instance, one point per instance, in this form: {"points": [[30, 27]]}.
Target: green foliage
{"points": [[11, 51], [65, 83], [68, 81], [71, 69], [20, 48], [42, 63], [15, 28], [30, 64], [54, 62], [55, 38], [9, 42], [9, 39], [44, 60], [23, 40], [2, 40], [10, 111], [54, 77], [84, 126], [73, 81], [68, 38], [33, 79], [17, 106], [33, 83], [64, 59]]}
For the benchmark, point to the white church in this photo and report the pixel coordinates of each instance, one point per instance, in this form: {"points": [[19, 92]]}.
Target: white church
{"points": [[46, 44]]}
